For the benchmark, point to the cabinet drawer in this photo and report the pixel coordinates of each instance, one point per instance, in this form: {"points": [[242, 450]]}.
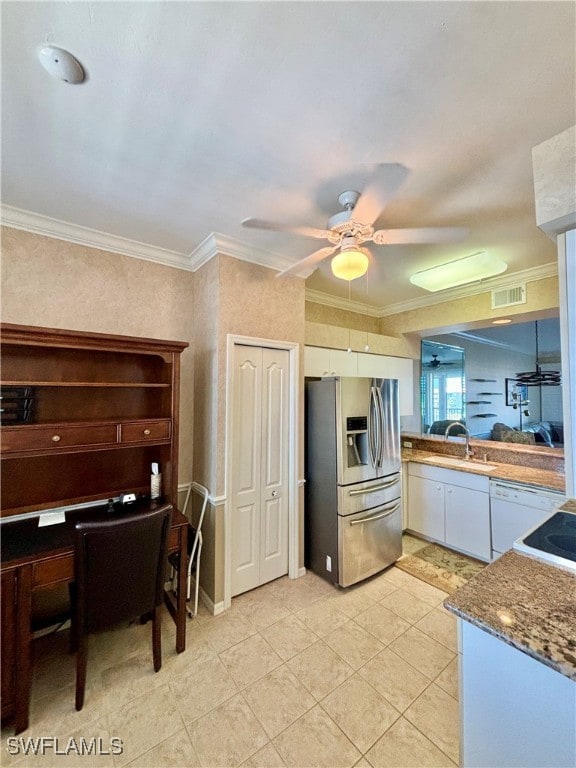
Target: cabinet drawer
{"points": [[139, 431], [52, 571], [56, 436]]}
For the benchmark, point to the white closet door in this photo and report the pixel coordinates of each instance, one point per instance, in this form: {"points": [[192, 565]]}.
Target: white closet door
{"points": [[260, 466], [274, 466]]}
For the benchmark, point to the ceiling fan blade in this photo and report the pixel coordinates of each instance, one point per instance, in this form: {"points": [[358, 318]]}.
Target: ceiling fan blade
{"points": [[420, 235], [321, 234], [309, 261], [383, 187]]}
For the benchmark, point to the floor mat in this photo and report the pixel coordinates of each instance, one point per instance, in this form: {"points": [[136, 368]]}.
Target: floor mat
{"points": [[437, 565]]}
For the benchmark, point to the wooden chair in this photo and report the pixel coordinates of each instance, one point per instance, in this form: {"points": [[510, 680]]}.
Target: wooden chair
{"points": [[194, 546], [120, 566]]}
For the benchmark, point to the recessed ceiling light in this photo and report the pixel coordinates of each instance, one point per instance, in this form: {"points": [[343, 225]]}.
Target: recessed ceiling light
{"points": [[502, 321], [470, 269], [61, 64]]}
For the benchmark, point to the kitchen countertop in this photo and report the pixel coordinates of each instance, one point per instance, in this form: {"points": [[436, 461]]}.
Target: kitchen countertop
{"points": [[527, 603], [549, 479]]}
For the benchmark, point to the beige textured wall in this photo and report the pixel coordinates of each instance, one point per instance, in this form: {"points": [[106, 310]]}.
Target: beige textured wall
{"points": [[448, 316], [320, 335], [53, 283], [320, 313], [254, 302], [340, 329], [206, 319], [233, 297]]}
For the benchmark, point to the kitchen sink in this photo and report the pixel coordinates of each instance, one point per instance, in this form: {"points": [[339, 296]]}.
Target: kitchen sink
{"points": [[553, 540], [452, 461]]}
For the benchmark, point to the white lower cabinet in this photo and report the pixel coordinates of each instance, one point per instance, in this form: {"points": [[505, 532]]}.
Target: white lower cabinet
{"points": [[450, 507], [515, 712], [426, 507]]}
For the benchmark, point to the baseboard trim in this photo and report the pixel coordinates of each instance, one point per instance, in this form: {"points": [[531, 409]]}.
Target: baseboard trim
{"points": [[214, 608]]}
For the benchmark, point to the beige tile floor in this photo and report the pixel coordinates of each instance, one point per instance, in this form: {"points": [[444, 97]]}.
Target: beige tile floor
{"points": [[296, 673]]}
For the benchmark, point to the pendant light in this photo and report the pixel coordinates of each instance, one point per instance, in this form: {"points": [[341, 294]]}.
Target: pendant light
{"points": [[539, 378]]}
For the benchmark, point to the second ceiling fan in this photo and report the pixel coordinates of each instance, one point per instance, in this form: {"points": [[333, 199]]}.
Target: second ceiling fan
{"points": [[353, 226]]}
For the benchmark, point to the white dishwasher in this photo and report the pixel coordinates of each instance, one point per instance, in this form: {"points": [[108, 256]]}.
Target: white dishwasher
{"points": [[515, 508]]}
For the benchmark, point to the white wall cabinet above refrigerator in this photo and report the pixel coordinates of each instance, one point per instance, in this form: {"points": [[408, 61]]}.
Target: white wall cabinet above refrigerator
{"points": [[321, 361]]}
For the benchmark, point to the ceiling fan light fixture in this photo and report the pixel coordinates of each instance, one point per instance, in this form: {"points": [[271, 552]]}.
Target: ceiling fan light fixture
{"points": [[349, 264], [469, 269]]}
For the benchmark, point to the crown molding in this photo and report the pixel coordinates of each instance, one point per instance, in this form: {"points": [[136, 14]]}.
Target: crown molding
{"points": [[482, 286], [217, 243], [318, 297], [17, 218], [450, 294], [214, 244]]}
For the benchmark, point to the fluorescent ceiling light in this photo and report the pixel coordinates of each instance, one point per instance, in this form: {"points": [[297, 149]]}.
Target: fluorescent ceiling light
{"points": [[502, 321], [467, 270]]}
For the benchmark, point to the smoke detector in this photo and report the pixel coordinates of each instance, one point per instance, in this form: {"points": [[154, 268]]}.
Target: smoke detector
{"points": [[61, 64]]}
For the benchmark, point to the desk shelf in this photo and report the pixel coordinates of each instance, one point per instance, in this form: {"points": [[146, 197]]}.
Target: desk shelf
{"points": [[114, 398]]}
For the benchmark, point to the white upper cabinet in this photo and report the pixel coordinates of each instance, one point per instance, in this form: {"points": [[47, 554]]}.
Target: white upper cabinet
{"points": [[320, 361], [386, 367]]}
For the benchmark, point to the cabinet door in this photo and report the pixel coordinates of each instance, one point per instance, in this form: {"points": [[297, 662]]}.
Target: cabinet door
{"points": [[467, 521], [386, 367], [343, 363], [316, 361], [426, 507]]}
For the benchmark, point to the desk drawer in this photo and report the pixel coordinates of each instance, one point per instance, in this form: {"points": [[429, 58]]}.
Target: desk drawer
{"points": [[56, 436], [141, 431], [51, 571]]}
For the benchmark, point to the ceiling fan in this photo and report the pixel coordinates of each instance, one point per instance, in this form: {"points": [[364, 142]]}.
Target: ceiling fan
{"points": [[353, 226], [435, 363]]}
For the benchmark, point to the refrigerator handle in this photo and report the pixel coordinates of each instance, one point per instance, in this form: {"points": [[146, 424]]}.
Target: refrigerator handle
{"points": [[381, 422], [374, 488], [385, 513], [371, 436]]}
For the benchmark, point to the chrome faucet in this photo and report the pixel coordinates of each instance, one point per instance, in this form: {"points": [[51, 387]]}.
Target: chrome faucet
{"points": [[467, 451]]}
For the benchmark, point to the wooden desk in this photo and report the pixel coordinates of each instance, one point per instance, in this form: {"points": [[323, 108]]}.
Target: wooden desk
{"points": [[35, 559]]}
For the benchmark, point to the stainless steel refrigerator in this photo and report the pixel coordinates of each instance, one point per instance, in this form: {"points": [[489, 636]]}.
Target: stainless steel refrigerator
{"points": [[353, 513]]}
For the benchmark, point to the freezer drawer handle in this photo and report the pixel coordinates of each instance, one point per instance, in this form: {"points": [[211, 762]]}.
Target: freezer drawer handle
{"points": [[375, 517], [374, 488]]}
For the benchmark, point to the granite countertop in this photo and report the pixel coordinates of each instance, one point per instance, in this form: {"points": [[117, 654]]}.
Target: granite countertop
{"points": [[527, 603], [545, 478]]}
